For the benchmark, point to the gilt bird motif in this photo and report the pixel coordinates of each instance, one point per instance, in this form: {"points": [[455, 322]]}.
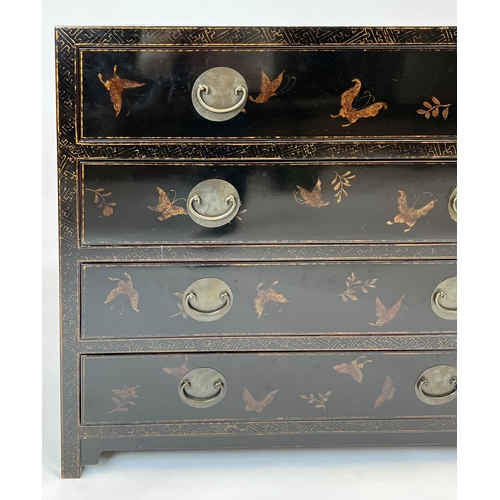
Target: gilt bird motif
{"points": [[116, 86], [385, 315], [124, 288], [409, 215], [352, 114], [165, 207], [253, 405]]}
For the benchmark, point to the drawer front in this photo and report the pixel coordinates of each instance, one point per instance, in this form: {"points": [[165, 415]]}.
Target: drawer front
{"points": [[132, 94], [135, 389], [126, 203], [154, 300]]}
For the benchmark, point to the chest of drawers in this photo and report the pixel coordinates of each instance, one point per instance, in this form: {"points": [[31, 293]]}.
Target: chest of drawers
{"points": [[257, 238]]}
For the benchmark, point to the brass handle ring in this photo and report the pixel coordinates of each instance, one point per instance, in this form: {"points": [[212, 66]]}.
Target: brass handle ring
{"points": [[204, 88], [442, 398], [219, 386], [452, 205], [438, 295], [224, 297], [230, 199]]}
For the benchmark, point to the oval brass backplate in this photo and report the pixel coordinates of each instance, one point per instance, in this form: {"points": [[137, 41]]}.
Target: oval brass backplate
{"points": [[219, 94], [213, 203], [437, 385], [452, 205], [207, 299], [444, 299], [202, 387]]}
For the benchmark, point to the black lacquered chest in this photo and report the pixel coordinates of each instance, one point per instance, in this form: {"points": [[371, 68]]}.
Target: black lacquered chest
{"points": [[257, 238]]}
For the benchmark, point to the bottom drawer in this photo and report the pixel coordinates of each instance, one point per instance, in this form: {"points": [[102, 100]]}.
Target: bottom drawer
{"points": [[155, 388]]}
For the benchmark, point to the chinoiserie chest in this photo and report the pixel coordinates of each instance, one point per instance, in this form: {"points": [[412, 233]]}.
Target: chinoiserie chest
{"points": [[257, 237]]}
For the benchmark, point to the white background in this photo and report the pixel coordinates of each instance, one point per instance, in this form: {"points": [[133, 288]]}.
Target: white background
{"points": [[390, 473]]}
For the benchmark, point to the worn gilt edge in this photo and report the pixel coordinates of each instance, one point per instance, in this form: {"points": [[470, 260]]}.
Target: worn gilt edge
{"points": [[242, 36], [431, 424]]}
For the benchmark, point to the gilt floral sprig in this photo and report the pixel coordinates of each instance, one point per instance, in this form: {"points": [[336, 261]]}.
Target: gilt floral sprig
{"points": [[353, 285], [100, 200], [123, 397], [320, 403], [180, 305], [340, 182], [434, 109], [241, 212]]}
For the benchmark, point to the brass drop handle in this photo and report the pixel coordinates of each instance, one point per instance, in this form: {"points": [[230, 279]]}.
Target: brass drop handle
{"points": [[207, 299], [452, 205], [202, 402], [205, 88], [229, 200], [443, 299], [439, 295], [207, 203], [202, 387], [224, 297], [437, 399]]}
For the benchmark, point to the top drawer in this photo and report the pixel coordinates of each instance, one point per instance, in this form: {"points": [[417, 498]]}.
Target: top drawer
{"points": [[164, 85], [171, 93]]}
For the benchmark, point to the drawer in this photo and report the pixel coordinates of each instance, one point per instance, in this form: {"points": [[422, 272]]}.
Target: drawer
{"points": [[131, 94], [136, 389], [151, 203], [183, 300]]}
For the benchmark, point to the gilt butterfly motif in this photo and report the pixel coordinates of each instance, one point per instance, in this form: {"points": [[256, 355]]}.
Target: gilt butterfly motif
{"points": [[353, 114], [116, 86], [124, 289], [410, 215], [353, 368], [253, 405], [165, 207], [179, 371], [265, 296], [311, 198], [269, 88], [387, 392], [384, 315]]}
